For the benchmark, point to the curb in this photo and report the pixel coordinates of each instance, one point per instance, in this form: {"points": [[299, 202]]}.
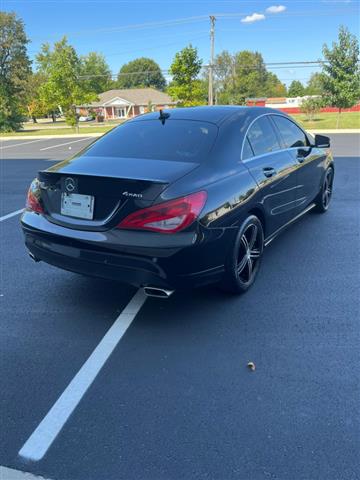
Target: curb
{"points": [[96, 135], [334, 130], [34, 137]]}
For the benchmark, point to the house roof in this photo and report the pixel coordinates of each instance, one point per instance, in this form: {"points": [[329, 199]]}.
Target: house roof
{"points": [[136, 96]]}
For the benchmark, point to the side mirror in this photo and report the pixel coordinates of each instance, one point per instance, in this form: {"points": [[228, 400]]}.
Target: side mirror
{"points": [[322, 141]]}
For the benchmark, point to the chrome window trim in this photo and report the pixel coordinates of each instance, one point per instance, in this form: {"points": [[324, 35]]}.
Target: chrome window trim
{"points": [[269, 153]]}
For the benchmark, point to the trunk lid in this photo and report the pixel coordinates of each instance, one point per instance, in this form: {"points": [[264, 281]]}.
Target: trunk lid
{"points": [[119, 186]]}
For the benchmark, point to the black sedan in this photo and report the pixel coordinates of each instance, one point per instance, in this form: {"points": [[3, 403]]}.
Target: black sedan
{"points": [[179, 198]]}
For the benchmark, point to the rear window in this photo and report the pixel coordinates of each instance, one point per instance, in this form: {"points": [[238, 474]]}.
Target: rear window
{"points": [[179, 140]]}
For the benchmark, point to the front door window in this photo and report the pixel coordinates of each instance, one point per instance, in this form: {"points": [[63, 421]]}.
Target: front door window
{"points": [[120, 112]]}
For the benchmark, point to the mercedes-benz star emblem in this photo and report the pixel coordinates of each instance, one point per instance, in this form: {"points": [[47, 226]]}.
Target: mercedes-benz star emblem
{"points": [[70, 184]]}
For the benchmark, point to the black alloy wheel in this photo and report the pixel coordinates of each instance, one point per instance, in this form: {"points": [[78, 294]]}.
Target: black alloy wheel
{"points": [[325, 194], [245, 259]]}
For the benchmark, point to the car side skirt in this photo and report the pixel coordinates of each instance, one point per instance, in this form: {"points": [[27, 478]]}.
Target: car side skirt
{"points": [[269, 239]]}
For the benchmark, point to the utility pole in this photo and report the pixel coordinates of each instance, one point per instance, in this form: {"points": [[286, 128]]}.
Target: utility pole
{"points": [[211, 66]]}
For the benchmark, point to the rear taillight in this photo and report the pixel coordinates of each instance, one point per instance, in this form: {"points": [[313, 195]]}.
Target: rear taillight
{"points": [[33, 201], [167, 217]]}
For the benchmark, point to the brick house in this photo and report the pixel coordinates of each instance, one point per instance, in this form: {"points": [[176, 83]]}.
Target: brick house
{"points": [[127, 103]]}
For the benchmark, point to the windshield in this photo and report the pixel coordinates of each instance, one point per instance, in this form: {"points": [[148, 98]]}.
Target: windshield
{"points": [[179, 140]]}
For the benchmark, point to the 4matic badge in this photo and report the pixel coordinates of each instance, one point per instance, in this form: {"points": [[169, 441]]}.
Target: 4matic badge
{"points": [[132, 195]]}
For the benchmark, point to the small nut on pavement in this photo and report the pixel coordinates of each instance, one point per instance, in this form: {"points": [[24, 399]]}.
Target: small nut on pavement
{"points": [[251, 365]]}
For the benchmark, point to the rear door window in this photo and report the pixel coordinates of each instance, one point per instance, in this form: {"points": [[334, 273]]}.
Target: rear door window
{"points": [[179, 140], [290, 133], [262, 137]]}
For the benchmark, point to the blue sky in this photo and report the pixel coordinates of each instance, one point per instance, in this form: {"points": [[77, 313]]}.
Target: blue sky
{"points": [[125, 29]]}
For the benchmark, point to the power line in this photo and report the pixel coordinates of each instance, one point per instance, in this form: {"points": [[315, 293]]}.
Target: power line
{"points": [[200, 34], [194, 19], [272, 65], [137, 26], [146, 72], [155, 47]]}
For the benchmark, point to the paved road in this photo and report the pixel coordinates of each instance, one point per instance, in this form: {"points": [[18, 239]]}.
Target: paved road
{"points": [[175, 399]]}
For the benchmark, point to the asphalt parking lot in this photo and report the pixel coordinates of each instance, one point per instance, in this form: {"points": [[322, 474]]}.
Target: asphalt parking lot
{"points": [[175, 399]]}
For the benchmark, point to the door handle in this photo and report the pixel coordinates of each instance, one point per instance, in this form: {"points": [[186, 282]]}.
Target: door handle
{"points": [[269, 171]]}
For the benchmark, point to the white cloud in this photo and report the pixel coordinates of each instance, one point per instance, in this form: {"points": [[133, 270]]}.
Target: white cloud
{"points": [[254, 17], [276, 9]]}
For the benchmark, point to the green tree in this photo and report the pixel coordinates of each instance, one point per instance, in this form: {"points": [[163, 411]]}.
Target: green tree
{"points": [[223, 71], [63, 87], [244, 75], [14, 71], [141, 72], [274, 87], [44, 61], [315, 85], [186, 87], [250, 76], [341, 73], [95, 72], [296, 89], [34, 104]]}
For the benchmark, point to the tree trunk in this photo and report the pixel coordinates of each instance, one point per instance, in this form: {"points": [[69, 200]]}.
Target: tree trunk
{"points": [[53, 117], [338, 118], [34, 119]]}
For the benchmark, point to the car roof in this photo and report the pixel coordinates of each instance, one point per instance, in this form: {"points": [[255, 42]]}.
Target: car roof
{"points": [[216, 114]]}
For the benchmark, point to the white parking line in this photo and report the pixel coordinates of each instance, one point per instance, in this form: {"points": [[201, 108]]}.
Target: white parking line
{"points": [[41, 439], [61, 144], [26, 142], [9, 215], [11, 474]]}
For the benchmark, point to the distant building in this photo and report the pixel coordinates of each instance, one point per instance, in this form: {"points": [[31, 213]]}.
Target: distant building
{"points": [[127, 103], [289, 105], [292, 104], [256, 102]]}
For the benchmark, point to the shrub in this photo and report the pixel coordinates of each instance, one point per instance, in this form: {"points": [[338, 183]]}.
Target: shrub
{"points": [[311, 106]]}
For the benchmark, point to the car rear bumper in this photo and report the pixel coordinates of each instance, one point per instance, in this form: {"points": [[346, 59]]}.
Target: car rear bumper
{"points": [[137, 258]]}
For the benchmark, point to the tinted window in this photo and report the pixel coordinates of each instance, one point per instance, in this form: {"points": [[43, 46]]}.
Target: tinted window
{"points": [[247, 150], [262, 137], [181, 140], [291, 134]]}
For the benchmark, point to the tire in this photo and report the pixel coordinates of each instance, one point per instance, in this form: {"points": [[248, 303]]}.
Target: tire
{"points": [[323, 199], [243, 264]]}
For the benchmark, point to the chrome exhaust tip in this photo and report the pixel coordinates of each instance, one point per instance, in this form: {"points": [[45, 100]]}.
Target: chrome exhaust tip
{"points": [[157, 292], [32, 256]]}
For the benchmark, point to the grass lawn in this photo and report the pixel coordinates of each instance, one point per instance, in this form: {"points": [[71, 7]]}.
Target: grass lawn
{"points": [[58, 131], [322, 121]]}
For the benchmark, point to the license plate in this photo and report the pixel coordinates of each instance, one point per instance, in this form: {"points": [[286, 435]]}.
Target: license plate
{"points": [[78, 206]]}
